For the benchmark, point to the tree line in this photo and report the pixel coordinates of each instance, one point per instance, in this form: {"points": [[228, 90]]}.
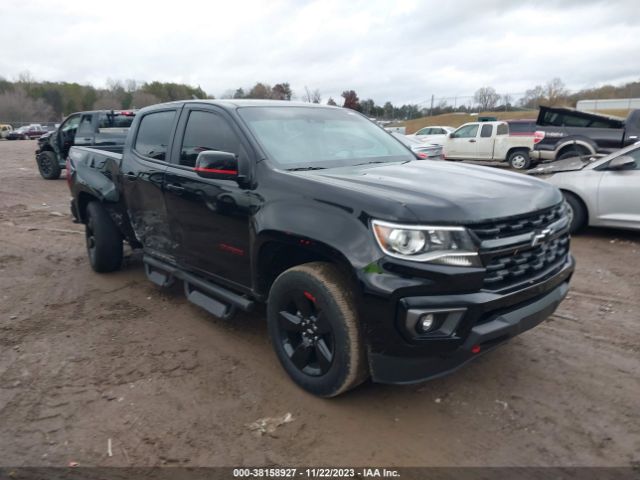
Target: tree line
{"points": [[26, 99]]}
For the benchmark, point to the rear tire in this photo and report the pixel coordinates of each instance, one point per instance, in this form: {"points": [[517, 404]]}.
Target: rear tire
{"points": [[577, 212], [315, 330], [48, 165], [519, 160], [104, 241]]}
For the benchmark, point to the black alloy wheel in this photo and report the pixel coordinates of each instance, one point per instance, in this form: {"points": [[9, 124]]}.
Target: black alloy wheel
{"points": [[305, 333]]}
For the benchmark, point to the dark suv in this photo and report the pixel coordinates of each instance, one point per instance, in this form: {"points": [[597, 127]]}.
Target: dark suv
{"points": [[370, 263]]}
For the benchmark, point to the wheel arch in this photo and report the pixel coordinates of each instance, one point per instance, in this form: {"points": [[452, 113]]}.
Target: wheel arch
{"points": [[579, 199], [518, 148], [278, 252], [572, 144]]}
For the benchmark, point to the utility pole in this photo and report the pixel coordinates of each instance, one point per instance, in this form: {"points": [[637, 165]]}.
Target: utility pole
{"points": [[431, 109]]}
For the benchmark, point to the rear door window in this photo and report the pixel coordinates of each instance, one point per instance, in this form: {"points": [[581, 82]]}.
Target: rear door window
{"points": [[154, 134]]}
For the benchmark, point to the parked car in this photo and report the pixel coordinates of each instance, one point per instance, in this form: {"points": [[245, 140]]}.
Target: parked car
{"points": [[5, 129], [600, 190], [567, 133], [28, 132], [436, 134], [489, 141], [424, 151], [370, 264], [100, 128]]}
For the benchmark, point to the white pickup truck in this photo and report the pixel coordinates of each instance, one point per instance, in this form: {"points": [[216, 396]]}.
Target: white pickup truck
{"points": [[489, 141]]}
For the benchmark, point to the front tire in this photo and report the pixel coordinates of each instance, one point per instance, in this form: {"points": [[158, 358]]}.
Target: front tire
{"points": [[104, 242], [48, 165], [577, 212], [519, 160], [315, 331]]}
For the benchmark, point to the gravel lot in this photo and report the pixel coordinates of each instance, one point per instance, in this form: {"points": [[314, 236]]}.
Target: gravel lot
{"points": [[87, 358]]}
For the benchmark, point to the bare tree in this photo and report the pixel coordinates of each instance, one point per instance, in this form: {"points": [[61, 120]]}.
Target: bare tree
{"points": [[17, 106], [311, 96], [486, 98], [108, 101], [555, 92], [332, 102], [533, 97], [143, 99], [507, 99]]}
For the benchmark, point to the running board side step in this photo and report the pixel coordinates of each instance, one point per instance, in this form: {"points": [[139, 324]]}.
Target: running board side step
{"points": [[216, 299]]}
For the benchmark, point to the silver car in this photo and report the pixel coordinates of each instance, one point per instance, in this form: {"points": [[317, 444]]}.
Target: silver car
{"points": [[425, 151], [601, 191]]}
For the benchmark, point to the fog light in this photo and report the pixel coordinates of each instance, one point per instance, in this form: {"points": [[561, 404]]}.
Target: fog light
{"points": [[425, 322], [431, 322]]}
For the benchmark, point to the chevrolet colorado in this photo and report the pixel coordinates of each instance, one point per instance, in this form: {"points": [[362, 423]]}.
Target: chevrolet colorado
{"points": [[105, 129], [370, 263]]}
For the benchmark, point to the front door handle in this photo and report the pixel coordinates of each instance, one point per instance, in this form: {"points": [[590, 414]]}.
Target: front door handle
{"points": [[130, 176], [472, 141], [175, 188]]}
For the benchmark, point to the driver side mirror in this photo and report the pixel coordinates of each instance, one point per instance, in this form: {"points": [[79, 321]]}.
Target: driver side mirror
{"points": [[216, 164], [624, 162], [451, 135]]}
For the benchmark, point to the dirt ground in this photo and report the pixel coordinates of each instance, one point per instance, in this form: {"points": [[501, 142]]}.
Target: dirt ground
{"points": [[86, 358]]}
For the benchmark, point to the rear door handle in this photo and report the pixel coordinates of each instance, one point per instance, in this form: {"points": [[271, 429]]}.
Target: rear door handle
{"points": [[130, 176], [472, 141], [175, 188]]}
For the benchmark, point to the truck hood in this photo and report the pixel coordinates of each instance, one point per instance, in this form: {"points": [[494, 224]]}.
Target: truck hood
{"points": [[567, 165], [439, 192]]}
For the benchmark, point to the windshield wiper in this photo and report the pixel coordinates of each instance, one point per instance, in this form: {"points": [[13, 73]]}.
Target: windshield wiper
{"points": [[368, 163], [300, 169]]}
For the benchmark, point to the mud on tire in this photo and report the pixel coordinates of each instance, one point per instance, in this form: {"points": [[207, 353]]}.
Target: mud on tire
{"points": [[315, 331], [104, 241]]}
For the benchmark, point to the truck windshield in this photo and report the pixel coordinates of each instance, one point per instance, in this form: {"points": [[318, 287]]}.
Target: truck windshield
{"points": [[313, 137]]}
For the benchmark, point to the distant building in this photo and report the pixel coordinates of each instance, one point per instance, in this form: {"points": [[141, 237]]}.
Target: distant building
{"points": [[609, 104]]}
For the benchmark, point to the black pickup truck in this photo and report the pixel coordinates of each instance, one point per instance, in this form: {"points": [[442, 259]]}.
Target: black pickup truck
{"points": [[370, 263], [566, 132], [104, 129]]}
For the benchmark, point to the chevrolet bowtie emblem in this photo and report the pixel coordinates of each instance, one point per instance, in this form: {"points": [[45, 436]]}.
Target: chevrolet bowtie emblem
{"points": [[539, 238]]}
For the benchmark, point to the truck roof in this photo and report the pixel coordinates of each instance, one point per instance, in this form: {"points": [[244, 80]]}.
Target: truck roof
{"points": [[235, 103]]}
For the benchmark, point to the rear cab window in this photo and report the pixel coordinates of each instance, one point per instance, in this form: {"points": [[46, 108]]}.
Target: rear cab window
{"points": [[486, 131], [119, 120], [154, 134]]}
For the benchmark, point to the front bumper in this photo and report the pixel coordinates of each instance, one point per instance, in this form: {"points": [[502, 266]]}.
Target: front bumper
{"points": [[490, 319]]}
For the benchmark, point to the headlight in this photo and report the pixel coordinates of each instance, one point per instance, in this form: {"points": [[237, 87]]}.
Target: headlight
{"points": [[442, 245]]}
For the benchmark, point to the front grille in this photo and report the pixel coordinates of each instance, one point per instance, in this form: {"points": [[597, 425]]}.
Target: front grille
{"points": [[518, 225], [521, 266]]}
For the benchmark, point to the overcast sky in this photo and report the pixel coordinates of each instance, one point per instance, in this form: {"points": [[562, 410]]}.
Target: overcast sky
{"points": [[402, 51]]}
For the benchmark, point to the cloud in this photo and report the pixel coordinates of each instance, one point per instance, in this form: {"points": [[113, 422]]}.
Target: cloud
{"points": [[403, 51]]}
